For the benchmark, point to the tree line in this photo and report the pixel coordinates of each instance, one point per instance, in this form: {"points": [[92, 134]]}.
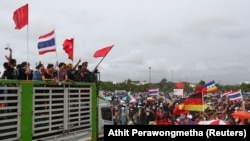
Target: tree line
{"points": [[165, 86]]}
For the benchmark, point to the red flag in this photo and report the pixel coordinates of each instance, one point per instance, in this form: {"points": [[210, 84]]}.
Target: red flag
{"points": [[20, 17], [68, 47], [103, 52], [179, 85], [200, 90]]}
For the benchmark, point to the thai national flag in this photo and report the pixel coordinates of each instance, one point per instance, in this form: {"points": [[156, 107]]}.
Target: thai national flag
{"points": [[235, 95], [153, 92], [224, 95], [46, 43]]}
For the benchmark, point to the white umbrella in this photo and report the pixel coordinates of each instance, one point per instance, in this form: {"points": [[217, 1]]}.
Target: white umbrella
{"points": [[214, 122]]}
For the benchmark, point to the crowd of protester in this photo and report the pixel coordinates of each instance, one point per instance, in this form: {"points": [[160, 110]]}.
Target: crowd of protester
{"points": [[161, 110], [58, 72]]}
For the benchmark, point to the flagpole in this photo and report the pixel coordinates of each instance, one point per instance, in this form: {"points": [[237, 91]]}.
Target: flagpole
{"points": [[102, 59], [56, 56], [243, 104], [55, 45], [203, 107], [28, 45], [73, 50]]}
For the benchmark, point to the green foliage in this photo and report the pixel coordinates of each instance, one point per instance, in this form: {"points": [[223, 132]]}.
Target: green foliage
{"points": [[165, 86]]}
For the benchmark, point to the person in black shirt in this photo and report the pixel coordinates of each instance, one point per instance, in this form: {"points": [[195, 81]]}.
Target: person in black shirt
{"points": [[88, 76], [24, 71], [5, 66], [71, 71], [10, 72]]}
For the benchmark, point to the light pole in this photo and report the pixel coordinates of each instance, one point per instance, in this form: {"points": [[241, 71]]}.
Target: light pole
{"points": [[172, 75], [149, 75]]}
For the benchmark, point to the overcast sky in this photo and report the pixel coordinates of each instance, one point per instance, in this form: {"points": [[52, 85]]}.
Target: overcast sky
{"points": [[181, 40]]}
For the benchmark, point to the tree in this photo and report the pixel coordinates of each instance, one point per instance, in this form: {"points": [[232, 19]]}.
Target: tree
{"points": [[201, 83], [187, 87], [163, 85]]}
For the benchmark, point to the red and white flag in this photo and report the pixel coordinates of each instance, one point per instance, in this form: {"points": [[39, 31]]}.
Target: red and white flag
{"points": [[46, 43], [102, 52], [20, 17]]}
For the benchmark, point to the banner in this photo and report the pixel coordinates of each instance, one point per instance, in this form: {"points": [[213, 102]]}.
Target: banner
{"points": [[178, 92]]}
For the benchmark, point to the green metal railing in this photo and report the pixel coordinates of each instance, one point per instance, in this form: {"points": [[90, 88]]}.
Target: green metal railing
{"points": [[25, 104]]}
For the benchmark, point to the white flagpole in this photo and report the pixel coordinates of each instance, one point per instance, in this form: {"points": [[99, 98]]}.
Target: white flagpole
{"points": [[73, 50], [57, 68], [28, 43], [243, 104], [28, 50], [55, 44]]}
